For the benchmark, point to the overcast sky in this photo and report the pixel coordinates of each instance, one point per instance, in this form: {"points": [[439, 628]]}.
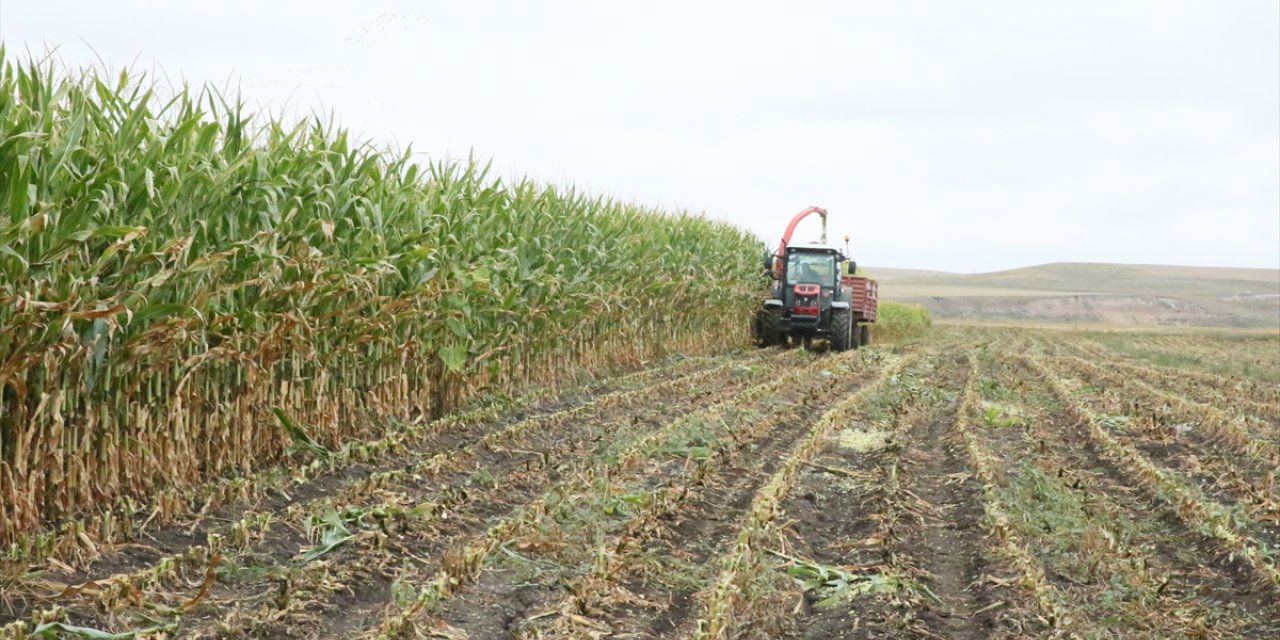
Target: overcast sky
{"points": [[942, 135]]}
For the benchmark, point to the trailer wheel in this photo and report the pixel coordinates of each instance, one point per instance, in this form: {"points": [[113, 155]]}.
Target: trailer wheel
{"points": [[844, 334], [865, 334]]}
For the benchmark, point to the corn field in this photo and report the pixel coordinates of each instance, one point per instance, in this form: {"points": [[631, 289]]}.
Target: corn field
{"points": [[186, 289]]}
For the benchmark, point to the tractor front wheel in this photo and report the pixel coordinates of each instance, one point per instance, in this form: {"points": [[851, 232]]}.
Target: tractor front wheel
{"points": [[769, 327], [843, 332]]}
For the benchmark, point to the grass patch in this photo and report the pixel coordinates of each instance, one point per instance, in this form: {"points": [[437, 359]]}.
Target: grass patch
{"points": [[897, 321]]}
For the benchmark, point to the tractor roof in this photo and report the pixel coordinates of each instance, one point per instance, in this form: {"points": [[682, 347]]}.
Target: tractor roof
{"points": [[816, 248]]}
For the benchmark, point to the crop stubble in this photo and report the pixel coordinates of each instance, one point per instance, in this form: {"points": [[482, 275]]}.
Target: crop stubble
{"points": [[973, 484]]}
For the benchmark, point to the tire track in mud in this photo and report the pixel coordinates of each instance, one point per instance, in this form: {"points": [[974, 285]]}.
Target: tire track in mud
{"points": [[904, 508], [944, 547], [746, 591], [245, 572], [1136, 539]]}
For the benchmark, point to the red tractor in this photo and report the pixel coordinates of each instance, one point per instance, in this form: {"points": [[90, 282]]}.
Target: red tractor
{"points": [[816, 294]]}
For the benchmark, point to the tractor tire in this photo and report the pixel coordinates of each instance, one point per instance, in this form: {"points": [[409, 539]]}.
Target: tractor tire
{"points": [[865, 335], [844, 334], [769, 327]]}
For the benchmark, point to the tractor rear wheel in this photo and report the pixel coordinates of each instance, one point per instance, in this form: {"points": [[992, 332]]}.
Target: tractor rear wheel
{"points": [[843, 332]]}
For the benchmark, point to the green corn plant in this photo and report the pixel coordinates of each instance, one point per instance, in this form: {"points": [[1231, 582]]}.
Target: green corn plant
{"points": [[182, 280]]}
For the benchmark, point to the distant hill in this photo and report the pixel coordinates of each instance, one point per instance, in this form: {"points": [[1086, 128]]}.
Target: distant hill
{"points": [[1095, 293]]}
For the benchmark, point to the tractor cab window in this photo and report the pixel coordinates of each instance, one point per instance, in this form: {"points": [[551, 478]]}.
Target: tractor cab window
{"points": [[814, 268]]}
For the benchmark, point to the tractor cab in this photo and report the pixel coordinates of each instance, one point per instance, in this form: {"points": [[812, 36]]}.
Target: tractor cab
{"points": [[813, 265], [807, 265]]}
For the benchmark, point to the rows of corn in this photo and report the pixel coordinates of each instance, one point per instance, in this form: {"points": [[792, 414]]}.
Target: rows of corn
{"points": [[185, 288]]}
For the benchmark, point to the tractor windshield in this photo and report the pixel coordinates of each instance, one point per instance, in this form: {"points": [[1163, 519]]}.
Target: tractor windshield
{"points": [[814, 268]]}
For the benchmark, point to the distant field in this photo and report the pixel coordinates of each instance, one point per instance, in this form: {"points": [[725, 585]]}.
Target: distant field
{"points": [[1095, 294]]}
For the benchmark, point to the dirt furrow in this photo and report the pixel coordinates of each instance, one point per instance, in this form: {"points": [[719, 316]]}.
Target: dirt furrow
{"points": [[899, 510], [1251, 362], [1247, 435], [1117, 555], [945, 544], [1220, 472], [580, 500], [267, 568], [1250, 399], [639, 580], [744, 599], [459, 498]]}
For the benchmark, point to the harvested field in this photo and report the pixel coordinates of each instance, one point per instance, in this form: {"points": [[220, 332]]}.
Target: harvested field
{"points": [[971, 484]]}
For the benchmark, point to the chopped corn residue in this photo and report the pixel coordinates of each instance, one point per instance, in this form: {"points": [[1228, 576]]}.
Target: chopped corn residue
{"points": [[859, 440]]}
